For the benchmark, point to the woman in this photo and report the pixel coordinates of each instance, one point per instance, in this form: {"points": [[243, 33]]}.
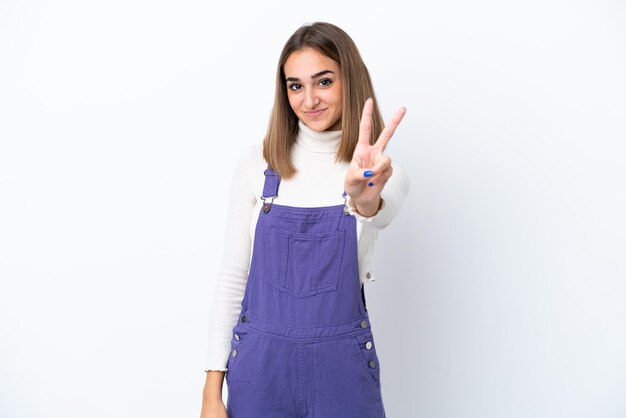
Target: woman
{"points": [[289, 329]]}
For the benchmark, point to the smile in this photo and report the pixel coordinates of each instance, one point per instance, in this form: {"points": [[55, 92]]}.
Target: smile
{"points": [[315, 113]]}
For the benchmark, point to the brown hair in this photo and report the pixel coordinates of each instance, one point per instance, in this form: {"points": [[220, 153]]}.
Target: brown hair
{"points": [[337, 45]]}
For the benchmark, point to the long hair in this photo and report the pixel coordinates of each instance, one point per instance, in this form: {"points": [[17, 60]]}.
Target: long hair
{"points": [[337, 45]]}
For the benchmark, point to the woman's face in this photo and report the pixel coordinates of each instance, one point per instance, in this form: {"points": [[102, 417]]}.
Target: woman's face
{"points": [[314, 89]]}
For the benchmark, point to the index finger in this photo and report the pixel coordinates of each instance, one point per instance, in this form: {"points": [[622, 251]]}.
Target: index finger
{"points": [[365, 125]]}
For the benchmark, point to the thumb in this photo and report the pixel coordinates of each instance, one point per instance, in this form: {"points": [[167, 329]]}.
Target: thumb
{"points": [[382, 164]]}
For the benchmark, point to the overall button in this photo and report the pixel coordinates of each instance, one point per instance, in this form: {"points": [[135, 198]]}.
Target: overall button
{"points": [[234, 352], [372, 364], [244, 319], [368, 345], [364, 324], [237, 337]]}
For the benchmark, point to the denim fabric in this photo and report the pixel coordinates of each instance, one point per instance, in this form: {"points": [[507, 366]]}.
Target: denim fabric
{"points": [[303, 344]]}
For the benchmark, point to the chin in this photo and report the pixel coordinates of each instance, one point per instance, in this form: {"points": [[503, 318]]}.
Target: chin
{"points": [[320, 126], [317, 125]]}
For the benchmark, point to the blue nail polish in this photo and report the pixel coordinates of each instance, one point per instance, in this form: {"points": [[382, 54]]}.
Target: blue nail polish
{"points": [[367, 173], [370, 184]]}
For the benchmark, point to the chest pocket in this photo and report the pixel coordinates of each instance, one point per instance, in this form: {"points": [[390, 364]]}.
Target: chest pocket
{"points": [[303, 264]]}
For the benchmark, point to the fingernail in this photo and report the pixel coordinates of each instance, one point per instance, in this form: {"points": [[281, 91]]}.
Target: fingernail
{"points": [[370, 184], [367, 173]]}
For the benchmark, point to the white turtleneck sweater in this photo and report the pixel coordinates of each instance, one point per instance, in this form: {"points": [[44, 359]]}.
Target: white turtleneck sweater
{"points": [[318, 182]]}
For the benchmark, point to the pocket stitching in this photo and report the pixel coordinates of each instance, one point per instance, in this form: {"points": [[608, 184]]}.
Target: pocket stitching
{"points": [[284, 262]]}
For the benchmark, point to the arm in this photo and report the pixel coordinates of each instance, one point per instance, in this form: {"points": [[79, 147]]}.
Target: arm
{"points": [[232, 278], [212, 404]]}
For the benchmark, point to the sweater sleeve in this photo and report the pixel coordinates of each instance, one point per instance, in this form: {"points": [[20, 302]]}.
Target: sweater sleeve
{"points": [[393, 195], [233, 273]]}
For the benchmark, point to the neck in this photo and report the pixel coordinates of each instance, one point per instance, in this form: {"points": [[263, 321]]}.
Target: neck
{"points": [[321, 142]]}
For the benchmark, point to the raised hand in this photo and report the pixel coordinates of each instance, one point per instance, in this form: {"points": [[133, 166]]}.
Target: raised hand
{"points": [[365, 190]]}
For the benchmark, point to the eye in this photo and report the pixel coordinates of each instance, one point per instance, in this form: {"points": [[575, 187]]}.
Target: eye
{"points": [[325, 82], [294, 86]]}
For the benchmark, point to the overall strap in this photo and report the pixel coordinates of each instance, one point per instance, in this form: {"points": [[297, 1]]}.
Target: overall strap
{"points": [[270, 188], [270, 191]]}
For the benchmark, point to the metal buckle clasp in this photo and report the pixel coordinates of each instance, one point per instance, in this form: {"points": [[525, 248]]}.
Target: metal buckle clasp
{"points": [[346, 208], [267, 206]]}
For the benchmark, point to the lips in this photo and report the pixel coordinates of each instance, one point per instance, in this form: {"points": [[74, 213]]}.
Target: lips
{"points": [[315, 113]]}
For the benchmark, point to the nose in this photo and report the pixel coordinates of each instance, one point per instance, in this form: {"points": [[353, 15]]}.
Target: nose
{"points": [[311, 100]]}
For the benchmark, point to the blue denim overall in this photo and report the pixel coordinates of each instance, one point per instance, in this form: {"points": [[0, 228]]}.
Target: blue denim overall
{"points": [[303, 345]]}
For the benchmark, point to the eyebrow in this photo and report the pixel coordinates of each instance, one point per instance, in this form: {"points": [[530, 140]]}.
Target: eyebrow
{"points": [[313, 76]]}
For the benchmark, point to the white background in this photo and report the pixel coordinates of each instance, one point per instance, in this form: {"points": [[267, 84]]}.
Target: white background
{"points": [[501, 283]]}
